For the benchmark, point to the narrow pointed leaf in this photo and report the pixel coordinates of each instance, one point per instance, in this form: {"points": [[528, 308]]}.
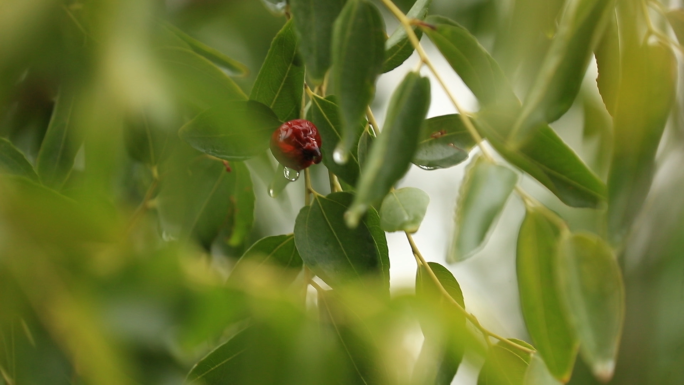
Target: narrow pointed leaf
{"points": [[426, 287], [358, 53], [482, 197], [647, 92], [280, 82], [391, 154], [560, 77], [243, 201], [478, 70], [607, 54], [232, 131], [538, 374], [444, 142], [325, 116], [13, 161], [548, 159], [196, 81], [276, 250], [61, 142], [365, 144], [540, 298], [403, 209], [594, 295], [336, 253], [314, 23], [209, 53], [504, 365], [398, 47]]}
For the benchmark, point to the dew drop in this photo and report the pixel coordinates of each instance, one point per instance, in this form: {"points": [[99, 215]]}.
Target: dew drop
{"points": [[339, 156], [290, 174], [271, 192], [427, 167], [275, 6]]}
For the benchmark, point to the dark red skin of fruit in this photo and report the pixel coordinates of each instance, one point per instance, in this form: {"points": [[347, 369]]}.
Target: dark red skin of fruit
{"points": [[297, 144]]}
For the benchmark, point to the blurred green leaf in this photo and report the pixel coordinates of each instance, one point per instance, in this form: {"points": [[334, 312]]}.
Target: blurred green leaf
{"points": [[597, 134], [391, 154], [195, 198], [427, 289], [358, 49], [403, 209], [607, 54], [538, 374], [197, 81], [365, 144], [12, 161], [278, 250], [478, 70], [560, 76], [548, 159], [225, 362], [444, 142], [232, 131], [314, 22], [594, 296], [398, 47], [336, 253], [504, 365], [325, 116], [61, 142], [482, 197], [280, 82], [210, 53], [676, 19], [243, 202], [145, 140], [647, 92], [540, 299]]}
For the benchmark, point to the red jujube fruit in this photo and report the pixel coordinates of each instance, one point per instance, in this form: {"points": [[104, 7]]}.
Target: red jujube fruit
{"points": [[297, 144]]}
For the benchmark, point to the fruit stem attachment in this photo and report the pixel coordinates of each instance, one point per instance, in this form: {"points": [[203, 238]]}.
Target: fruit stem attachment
{"points": [[485, 332]]}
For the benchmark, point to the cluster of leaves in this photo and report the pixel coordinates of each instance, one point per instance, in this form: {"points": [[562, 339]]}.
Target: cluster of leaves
{"points": [[72, 267]]}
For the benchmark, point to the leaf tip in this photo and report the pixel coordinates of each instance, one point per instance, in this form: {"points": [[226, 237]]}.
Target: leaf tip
{"points": [[341, 155], [353, 215]]}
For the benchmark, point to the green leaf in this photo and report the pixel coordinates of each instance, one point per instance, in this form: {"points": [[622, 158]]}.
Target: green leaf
{"points": [[398, 47], [444, 142], [560, 76], [232, 131], [647, 92], [278, 250], [145, 140], [195, 198], [61, 142], [365, 144], [676, 19], [280, 82], [224, 362], [538, 374], [391, 154], [426, 288], [504, 365], [197, 81], [607, 55], [314, 22], [358, 48], [325, 116], [478, 70], [540, 298], [593, 292], [548, 159], [13, 161], [403, 209], [210, 53], [482, 197], [336, 253], [243, 202]]}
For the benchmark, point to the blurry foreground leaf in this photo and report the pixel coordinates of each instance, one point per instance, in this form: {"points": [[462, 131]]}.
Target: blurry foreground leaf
{"points": [[538, 374], [398, 47], [482, 197], [403, 209], [504, 365], [540, 298], [280, 82], [607, 54], [336, 253], [593, 292], [234, 131], [391, 154], [278, 250], [12, 161]]}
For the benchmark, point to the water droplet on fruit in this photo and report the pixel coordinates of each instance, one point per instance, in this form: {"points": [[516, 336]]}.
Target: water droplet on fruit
{"points": [[290, 174], [427, 167], [339, 156]]}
